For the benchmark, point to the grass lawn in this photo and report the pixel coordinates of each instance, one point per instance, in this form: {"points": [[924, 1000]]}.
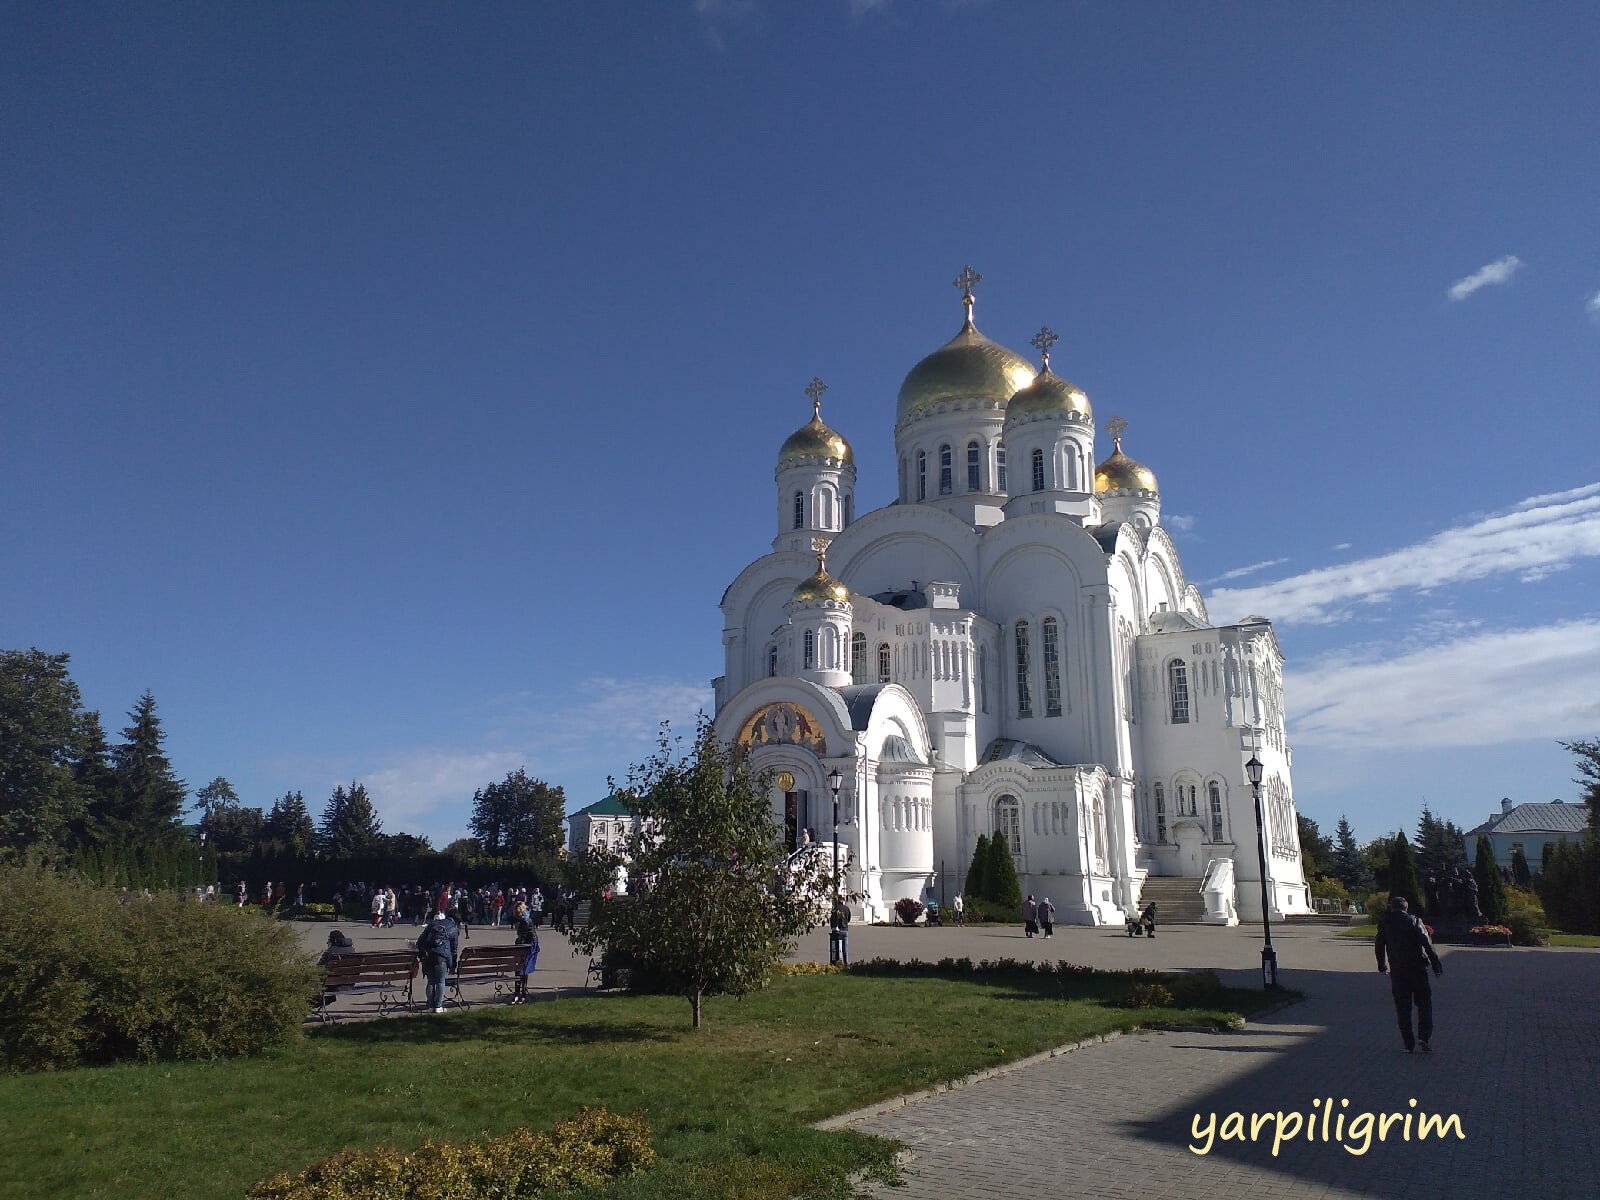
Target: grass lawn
{"points": [[729, 1106], [1588, 940]]}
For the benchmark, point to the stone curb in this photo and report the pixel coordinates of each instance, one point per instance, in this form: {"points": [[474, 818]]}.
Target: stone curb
{"points": [[907, 1099]]}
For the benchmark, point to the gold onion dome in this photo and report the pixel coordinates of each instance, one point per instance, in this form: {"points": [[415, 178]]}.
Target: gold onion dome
{"points": [[1049, 394], [814, 439], [1119, 473], [967, 367], [822, 586]]}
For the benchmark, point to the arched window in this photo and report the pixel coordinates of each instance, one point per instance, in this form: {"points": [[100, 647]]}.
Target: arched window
{"points": [[1038, 470], [922, 474], [799, 509], [1178, 684], [883, 662], [1052, 669], [858, 658], [1008, 822], [810, 650], [772, 661], [1072, 469], [849, 506], [827, 508], [974, 460], [1024, 693], [1000, 468], [828, 649], [1161, 813], [946, 471], [1214, 792], [983, 678]]}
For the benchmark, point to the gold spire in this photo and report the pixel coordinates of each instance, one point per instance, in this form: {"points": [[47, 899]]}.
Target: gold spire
{"points": [[814, 389], [814, 439], [1114, 427], [822, 586], [964, 281], [1042, 341], [1119, 473]]}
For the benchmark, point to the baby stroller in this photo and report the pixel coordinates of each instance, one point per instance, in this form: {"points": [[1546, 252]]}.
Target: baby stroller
{"points": [[1144, 923]]}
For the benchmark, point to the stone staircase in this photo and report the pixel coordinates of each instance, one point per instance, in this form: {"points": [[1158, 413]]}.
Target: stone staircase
{"points": [[1177, 899]]}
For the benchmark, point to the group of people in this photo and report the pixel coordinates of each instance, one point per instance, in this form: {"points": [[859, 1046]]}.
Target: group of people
{"points": [[1038, 916]]}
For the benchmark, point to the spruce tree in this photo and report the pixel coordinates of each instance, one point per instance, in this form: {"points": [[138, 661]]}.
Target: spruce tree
{"points": [[151, 798], [289, 824], [41, 726], [1403, 873], [350, 825], [1491, 887], [1349, 864], [1004, 889], [1520, 875], [977, 885]]}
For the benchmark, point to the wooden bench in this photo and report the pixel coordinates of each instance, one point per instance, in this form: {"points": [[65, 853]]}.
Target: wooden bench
{"points": [[500, 963], [387, 972]]}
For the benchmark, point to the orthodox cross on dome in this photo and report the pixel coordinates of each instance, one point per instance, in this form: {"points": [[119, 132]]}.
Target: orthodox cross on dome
{"points": [[1114, 427], [814, 389], [1043, 340], [964, 281], [820, 545]]}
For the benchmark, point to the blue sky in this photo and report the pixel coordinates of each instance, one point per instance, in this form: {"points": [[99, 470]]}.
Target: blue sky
{"points": [[393, 390]]}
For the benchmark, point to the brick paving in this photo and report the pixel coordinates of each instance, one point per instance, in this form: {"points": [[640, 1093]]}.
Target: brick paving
{"points": [[1517, 1058]]}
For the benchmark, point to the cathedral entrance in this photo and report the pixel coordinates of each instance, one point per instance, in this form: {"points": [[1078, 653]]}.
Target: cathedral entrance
{"points": [[791, 820]]}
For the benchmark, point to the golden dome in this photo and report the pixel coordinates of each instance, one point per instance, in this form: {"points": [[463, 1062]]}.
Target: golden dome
{"points": [[822, 586], [815, 440], [1049, 394], [967, 367], [1119, 473]]}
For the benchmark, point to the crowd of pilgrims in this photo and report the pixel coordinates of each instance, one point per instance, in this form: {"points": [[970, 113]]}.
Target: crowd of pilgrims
{"points": [[487, 904]]}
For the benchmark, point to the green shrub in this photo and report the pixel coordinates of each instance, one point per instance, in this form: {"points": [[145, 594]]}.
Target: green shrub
{"points": [[585, 1152], [88, 980], [1527, 926], [1194, 988], [1149, 995], [1374, 905]]}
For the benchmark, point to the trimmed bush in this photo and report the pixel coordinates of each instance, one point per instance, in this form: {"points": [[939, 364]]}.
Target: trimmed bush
{"points": [[86, 979], [1149, 995], [585, 1152]]}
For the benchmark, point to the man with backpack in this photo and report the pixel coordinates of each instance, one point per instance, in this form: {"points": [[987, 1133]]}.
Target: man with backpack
{"points": [[438, 944], [1409, 950]]}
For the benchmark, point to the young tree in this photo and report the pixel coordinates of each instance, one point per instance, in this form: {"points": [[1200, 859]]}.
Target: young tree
{"points": [[1520, 875], [42, 737], [519, 816], [977, 883], [1440, 846], [1001, 876], [350, 825], [1491, 887], [712, 907], [1350, 866], [1403, 873]]}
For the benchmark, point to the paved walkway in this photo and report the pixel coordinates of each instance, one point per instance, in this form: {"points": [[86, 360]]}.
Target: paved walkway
{"points": [[1517, 1058]]}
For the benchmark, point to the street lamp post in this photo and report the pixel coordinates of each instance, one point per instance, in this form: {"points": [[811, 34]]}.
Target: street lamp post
{"points": [[1269, 956], [836, 928]]}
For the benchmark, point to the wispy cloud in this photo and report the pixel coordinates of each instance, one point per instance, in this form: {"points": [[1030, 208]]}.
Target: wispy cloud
{"points": [[1483, 689], [1592, 307], [1241, 572], [1178, 521], [719, 17], [1498, 271], [1541, 534]]}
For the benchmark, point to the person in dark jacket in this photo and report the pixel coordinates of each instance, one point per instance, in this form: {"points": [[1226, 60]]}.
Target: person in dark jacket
{"points": [[1403, 940], [438, 944]]}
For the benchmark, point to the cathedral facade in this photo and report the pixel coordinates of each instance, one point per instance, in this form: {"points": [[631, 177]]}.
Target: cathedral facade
{"points": [[1008, 649]]}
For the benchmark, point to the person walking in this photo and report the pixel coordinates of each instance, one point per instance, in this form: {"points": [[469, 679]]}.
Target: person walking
{"points": [[960, 908], [438, 944], [1403, 940], [1030, 915], [377, 908], [1047, 917], [529, 937]]}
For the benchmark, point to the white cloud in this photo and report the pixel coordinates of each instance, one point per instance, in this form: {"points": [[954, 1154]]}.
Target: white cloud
{"points": [[430, 791], [1593, 306], [1241, 572], [1344, 545], [1542, 533], [1484, 689], [1498, 271], [1179, 522], [860, 8]]}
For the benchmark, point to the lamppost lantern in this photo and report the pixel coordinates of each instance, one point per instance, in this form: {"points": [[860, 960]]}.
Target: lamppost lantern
{"points": [[1269, 956]]}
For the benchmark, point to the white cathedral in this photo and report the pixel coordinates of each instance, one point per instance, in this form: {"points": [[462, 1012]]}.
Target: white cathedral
{"points": [[1008, 649]]}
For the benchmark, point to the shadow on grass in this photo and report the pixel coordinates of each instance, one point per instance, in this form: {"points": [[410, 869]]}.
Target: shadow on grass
{"points": [[472, 1027]]}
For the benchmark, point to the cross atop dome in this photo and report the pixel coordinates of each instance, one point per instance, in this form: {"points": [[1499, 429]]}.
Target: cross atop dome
{"points": [[964, 281], [1043, 340], [1114, 427], [814, 389]]}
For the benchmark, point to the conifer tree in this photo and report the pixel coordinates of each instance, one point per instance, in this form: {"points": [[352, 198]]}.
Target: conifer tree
{"points": [[350, 825], [977, 885], [1004, 889], [149, 798], [289, 824], [1491, 887], [1520, 875], [1403, 873], [1349, 864], [41, 724]]}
